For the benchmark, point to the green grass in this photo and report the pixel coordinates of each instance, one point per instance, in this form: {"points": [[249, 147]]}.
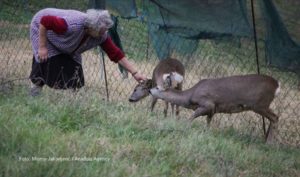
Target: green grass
{"points": [[43, 137]]}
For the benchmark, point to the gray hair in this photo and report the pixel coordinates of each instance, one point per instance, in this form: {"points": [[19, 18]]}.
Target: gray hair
{"points": [[98, 19]]}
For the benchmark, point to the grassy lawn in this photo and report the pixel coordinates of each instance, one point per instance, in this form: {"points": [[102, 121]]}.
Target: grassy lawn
{"points": [[59, 135]]}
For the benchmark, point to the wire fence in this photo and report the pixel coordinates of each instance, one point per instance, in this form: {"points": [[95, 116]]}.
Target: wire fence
{"points": [[212, 59]]}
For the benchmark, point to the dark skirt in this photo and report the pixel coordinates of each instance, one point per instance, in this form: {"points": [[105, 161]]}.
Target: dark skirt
{"points": [[59, 72]]}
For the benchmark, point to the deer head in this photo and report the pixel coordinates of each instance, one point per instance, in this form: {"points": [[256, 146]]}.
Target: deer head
{"points": [[141, 90]]}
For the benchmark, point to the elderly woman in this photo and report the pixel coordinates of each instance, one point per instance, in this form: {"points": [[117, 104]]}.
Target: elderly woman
{"points": [[59, 37]]}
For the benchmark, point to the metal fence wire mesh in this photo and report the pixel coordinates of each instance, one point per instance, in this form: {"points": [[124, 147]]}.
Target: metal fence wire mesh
{"points": [[211, 59]]}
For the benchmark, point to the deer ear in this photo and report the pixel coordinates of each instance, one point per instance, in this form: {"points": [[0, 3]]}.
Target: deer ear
{"points": [[165, 76], [148, 83], [177, 77]]}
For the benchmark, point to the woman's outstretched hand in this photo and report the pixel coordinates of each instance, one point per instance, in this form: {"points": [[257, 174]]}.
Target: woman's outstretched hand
{"points": [[139, 77]]}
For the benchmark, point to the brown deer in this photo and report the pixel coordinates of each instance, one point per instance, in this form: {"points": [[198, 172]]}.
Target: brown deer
{"points": [[228, 95], [168, 73]]}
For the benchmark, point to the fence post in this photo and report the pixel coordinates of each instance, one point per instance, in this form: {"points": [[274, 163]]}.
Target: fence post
{"points": [[100, 4], [256, 54]]}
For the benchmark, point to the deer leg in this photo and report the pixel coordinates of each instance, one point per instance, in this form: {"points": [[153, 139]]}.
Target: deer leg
{"points": [[172, 109], [208, 119], [272, 128], [273, 118], [166, 109], [264, 126], [200, 111], [205, 108], [175, 114], [177, 111], [154, 100], [179, 87]]}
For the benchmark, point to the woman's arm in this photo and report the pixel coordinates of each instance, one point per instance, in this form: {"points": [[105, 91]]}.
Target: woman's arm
{"points": [[43, 51], [116, 55], [56, 24], [130, 68]]}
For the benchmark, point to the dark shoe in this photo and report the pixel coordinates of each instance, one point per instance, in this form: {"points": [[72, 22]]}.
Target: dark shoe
{"points": [[35, 90]]}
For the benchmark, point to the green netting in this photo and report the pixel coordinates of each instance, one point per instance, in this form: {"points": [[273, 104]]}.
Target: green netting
{"points": [[126, 9], [113, 32], [172, 22], [207, 18], [180, 20], [165, 43], [282, 51]]}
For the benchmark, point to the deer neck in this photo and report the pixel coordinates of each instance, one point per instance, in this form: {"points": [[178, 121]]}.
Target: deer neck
{"points": [[178, 97]]}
